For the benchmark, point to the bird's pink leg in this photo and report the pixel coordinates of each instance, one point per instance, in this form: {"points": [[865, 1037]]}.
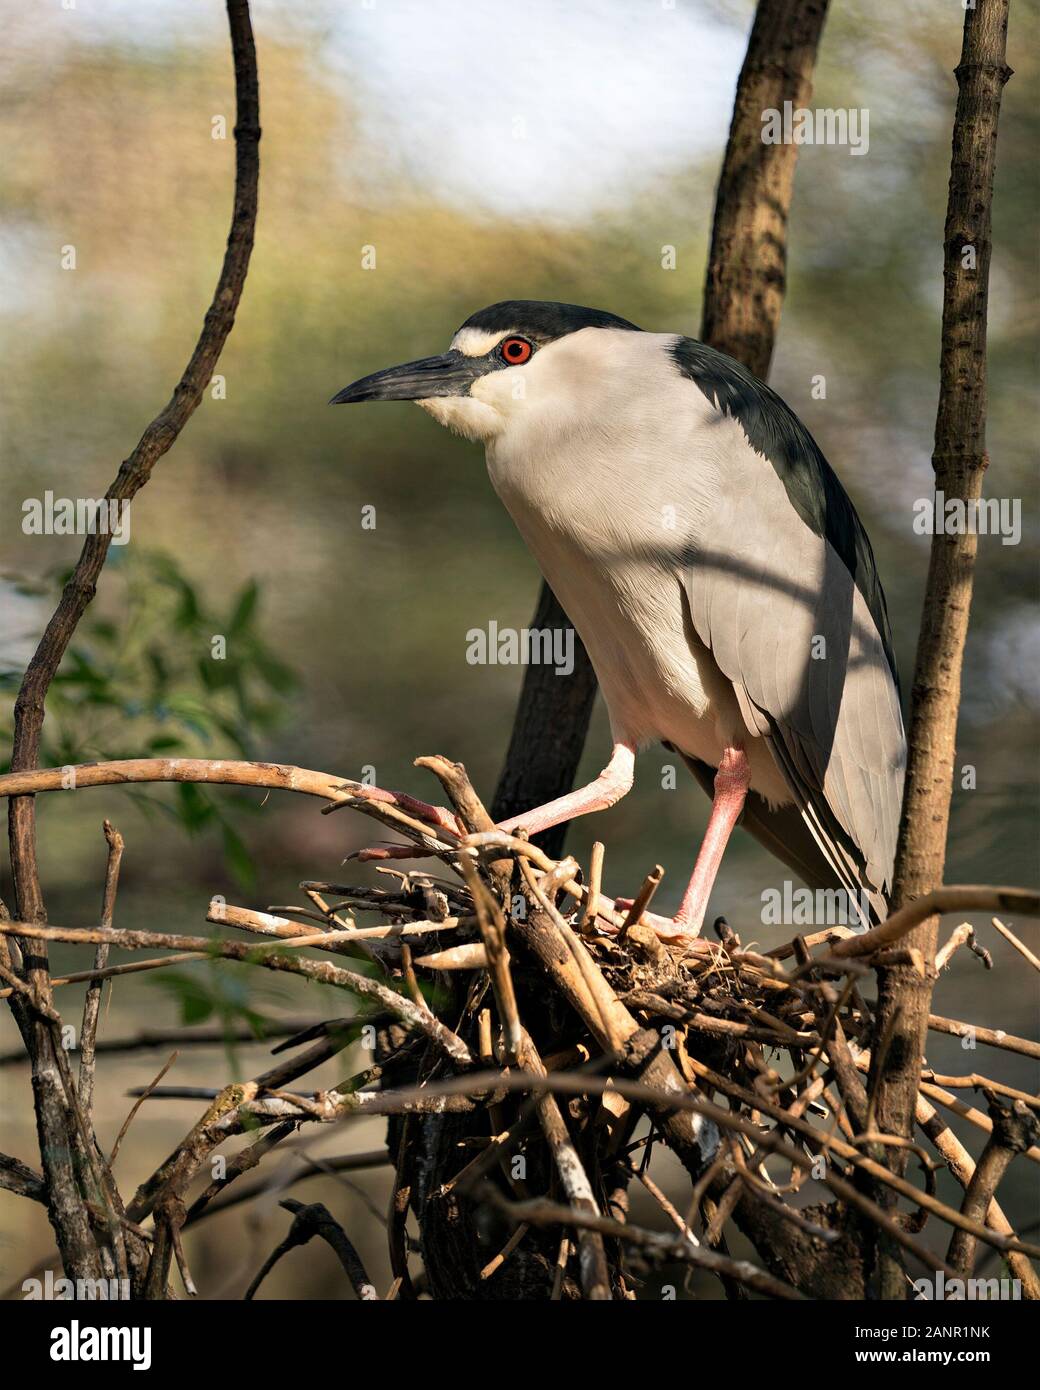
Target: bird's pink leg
{"points": [[607, 789], [731, 787]]}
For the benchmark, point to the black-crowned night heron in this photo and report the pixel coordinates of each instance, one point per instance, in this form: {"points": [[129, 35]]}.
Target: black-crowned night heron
{"points": [[714, 566]]}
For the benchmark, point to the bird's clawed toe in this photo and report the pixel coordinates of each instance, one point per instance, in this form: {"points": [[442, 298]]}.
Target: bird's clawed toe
{"points": [[669, 929]]}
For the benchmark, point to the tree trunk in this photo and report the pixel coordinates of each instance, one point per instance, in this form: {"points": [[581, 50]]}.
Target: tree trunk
{"points": [[959, 462], [747, 265]]}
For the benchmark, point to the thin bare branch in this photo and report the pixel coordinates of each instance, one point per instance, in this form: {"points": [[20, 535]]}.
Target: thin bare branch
{"points": [[92, 1001]]}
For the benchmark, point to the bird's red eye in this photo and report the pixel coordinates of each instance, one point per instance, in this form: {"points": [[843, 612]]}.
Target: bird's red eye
{"points": [[516, 351]]}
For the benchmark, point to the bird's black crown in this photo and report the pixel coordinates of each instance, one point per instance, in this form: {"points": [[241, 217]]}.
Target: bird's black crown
{"points": [[541, 320]]}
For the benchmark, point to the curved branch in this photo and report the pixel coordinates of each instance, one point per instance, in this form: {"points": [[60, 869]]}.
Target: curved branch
{"points": [[316, 1220], [1015, 1130], [66, 1207], [134, 472], [278, 776], [256, 953], [975, 897], [17, 1177]]}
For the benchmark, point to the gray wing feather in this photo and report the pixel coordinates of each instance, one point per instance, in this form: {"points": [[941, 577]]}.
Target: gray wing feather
{"points": [[787, 625]]}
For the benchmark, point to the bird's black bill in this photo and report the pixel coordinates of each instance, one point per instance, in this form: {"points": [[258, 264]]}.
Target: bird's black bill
{"points": [[451, 374]]}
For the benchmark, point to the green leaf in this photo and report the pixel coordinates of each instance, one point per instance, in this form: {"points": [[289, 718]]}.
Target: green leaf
{"points": [[245, 607], [159, 669], [191, 993], [238, 858], [277, 675], [164, 743], [194, 807]]}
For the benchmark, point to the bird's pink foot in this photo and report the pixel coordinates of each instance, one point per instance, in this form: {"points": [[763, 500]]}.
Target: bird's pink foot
{"points": [[670, 929], [607, 789], [438, 818]]}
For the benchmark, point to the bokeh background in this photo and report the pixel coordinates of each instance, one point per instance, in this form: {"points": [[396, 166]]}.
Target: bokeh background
{"points": [[485, 151]]}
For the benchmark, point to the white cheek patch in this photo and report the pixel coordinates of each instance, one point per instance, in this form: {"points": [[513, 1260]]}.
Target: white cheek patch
{"points": [[474, 342], [464, 415]]}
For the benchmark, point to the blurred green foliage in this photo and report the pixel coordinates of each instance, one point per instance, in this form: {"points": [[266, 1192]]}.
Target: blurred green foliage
{"points": [[223, 992], [176, 677]]}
